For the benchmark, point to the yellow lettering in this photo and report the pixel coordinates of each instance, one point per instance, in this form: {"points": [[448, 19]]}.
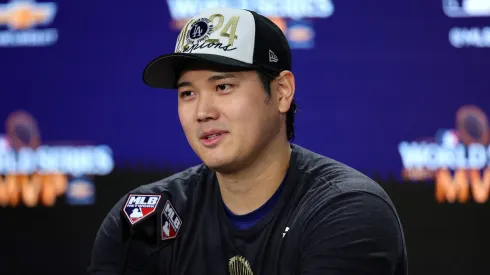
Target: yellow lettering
{"points": [[181, 39], [216, 27], [451, 189], [12, 188], [480, 186], [457, 188], [4, 199], [31, 190], [231, 25]]}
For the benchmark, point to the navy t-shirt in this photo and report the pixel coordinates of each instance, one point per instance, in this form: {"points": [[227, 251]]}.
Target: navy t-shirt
{"points": [[326, 218], [246, 221]]}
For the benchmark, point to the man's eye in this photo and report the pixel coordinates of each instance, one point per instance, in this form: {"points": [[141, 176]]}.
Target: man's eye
{"points": [[185, 94], [223, 87]]}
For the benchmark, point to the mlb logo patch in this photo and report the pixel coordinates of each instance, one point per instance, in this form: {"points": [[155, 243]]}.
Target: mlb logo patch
{"points": [[138, 207], [171, 222]]}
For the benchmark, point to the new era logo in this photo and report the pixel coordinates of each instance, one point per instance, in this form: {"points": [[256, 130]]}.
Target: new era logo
{"points": [[272, 57]]}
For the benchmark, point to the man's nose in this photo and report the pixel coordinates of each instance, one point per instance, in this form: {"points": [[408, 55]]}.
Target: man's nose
{"points": [[206, 109]]}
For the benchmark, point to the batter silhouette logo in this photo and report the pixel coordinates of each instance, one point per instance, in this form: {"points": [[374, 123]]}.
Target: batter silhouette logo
{"points": [[26, 24], [458, 160], [171, 222], [34, 172], [140, 206]]}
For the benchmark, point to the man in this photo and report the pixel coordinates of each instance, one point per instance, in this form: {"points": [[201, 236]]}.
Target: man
{"points": [[258, 204]]}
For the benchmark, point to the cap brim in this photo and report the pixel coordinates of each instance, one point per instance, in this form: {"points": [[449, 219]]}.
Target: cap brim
{"points": [[162, 72]]}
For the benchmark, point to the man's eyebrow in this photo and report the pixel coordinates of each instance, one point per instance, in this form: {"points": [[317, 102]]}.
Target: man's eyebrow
{"points": [[183, 84], [221, 76], [210, 79]]}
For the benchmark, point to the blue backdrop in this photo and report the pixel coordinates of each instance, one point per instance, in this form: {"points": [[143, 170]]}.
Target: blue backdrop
{"points": [[370, 74]]}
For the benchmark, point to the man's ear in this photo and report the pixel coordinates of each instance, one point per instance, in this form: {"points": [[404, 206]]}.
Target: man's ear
{"points": [[286, 87]]}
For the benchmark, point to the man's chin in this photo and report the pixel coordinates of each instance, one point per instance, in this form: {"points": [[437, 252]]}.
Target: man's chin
{"points": [[220, 165], [218, 160], [216, 165]]}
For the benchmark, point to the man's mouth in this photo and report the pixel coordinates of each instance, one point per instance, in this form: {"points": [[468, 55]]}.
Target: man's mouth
{"points": [[212, 136]]}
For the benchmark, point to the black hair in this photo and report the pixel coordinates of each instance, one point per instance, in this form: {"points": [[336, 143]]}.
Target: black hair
{"points": [[266, 78]]}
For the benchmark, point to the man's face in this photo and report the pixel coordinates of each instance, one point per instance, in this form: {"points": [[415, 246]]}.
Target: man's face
{"points": [[226, 116]]}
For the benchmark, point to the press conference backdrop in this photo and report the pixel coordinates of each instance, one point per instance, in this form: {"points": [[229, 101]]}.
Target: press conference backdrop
{"points": [[399, 90]]}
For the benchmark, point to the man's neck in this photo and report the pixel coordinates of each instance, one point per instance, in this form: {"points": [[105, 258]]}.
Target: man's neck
{"points": [[248, 189]]}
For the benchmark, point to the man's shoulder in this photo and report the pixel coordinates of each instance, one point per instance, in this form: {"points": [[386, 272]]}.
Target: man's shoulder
{"points": [[330, 178], [330, 185], [180, 185], [345, 211]]}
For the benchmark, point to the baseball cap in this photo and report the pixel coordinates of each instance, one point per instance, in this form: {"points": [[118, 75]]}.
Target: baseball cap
{"points": [[235, 38]]}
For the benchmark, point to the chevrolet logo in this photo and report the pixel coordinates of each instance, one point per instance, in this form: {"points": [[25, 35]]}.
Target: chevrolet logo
{"points": [[26, 14]]}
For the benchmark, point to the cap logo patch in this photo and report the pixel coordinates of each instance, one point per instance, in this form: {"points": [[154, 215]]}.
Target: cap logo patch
{"points": [[214, 33], [199, 31]]}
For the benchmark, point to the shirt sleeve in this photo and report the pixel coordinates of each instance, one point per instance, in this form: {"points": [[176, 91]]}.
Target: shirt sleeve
{"points": [[116, 253], [108, 253], [352, 233]]}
